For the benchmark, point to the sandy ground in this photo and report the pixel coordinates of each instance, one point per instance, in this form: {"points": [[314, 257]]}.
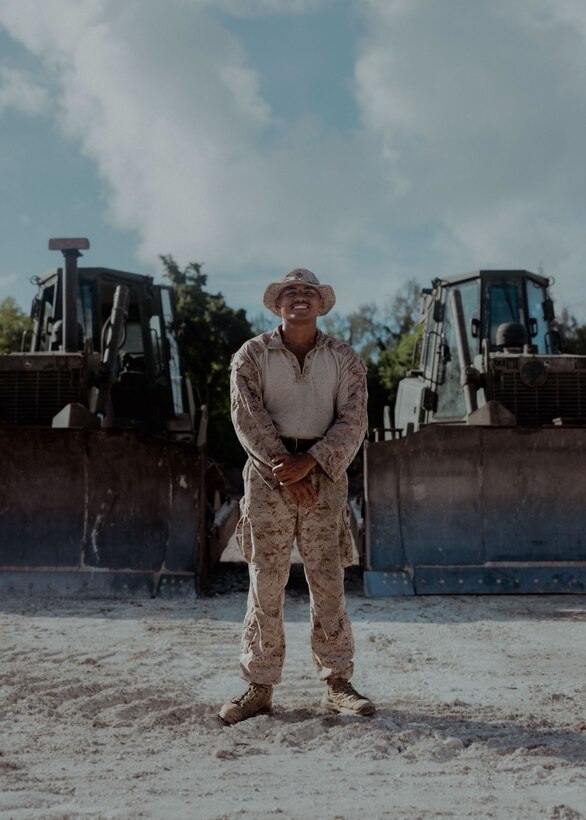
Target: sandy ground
{"points": [[108, 710]]}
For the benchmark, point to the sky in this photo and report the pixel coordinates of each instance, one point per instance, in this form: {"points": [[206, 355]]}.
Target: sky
{"points": [[372, 141]]}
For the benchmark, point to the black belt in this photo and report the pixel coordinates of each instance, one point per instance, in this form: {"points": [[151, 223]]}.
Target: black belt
{"points": [[299, 445]]}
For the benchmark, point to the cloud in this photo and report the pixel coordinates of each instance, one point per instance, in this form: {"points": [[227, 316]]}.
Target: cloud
{"points": [[482, 110], [20, 91], [257, 8], [7, 280], [467, 150], [165, 102]]}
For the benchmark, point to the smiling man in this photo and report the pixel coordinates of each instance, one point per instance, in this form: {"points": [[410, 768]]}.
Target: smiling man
{"points": [[299, 409]]}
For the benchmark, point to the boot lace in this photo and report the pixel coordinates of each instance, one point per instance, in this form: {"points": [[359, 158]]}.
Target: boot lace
{"points": [[343, 687], [253, 691]]}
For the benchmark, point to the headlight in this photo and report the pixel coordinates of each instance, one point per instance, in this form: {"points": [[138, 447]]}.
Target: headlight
{"points": [[533, 373]]}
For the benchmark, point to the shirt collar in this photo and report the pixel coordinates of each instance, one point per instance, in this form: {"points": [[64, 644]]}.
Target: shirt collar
{"points": [[276, 340]]}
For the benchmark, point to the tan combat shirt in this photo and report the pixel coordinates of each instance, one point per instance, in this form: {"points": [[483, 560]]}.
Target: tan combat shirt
{"points": [[272, 397]]}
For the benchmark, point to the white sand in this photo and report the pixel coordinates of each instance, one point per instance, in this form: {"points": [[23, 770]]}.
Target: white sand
{"points": [[109, 710]]}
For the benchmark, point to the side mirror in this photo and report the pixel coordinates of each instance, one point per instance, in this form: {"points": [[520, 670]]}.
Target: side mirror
{"points": [[36, 308], [553, 341], [548, 311]]}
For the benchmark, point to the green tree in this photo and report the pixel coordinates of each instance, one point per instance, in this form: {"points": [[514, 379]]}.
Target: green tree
{"points": [[401, 316], [13, 323], [362, 329], [573, 334], [402, 310], [209, 332], [385, 337], [396, 361], [373, 328]]}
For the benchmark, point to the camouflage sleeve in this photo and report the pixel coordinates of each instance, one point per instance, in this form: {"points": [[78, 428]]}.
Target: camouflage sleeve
{"points": [[335, 451], [253, 425]]}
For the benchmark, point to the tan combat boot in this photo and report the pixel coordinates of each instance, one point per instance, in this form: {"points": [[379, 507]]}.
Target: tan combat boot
{"points": [[342, 697], [256, 700]]}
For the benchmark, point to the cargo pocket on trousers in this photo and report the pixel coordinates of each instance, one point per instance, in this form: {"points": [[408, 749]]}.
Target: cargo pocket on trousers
{"points": [[244, 537], [346, 544]]}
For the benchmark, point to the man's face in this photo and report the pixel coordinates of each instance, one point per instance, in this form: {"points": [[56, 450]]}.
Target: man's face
{"points": [[299, 302]]}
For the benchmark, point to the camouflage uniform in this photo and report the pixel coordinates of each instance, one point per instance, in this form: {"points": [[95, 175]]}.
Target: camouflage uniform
{"points": [[271, 520]]}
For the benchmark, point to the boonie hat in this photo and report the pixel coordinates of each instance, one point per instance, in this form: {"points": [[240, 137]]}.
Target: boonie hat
{"points": [[305, 277]]}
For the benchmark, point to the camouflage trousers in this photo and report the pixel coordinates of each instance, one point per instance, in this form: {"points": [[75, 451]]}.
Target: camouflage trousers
{"points": [[270, 522]]}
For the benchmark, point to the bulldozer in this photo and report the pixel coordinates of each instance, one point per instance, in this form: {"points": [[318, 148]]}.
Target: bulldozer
{"points": [[478, 485], [106, 486]]}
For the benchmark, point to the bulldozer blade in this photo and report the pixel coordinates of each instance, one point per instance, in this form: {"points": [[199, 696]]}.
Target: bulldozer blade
{"points": [[97, 513], [465, 509]]}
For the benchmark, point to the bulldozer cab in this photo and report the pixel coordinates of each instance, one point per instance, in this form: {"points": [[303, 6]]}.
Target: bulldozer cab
{"points": [[488, 300], [148, 392]]}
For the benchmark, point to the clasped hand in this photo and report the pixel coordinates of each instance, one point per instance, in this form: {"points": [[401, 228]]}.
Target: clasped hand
{"points": [[291, 471]]}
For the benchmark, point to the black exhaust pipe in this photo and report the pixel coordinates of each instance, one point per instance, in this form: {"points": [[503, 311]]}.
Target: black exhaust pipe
{"points": [[70, 249]]}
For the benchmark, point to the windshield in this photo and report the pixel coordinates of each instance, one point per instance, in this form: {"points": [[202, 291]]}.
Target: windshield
{"points": [[504, 305]]}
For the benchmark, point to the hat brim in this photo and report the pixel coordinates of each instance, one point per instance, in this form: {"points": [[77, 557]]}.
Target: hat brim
{"points": [[273, 291]]}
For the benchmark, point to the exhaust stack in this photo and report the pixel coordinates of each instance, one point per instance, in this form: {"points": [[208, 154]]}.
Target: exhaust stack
{"points": [[70, 249]]}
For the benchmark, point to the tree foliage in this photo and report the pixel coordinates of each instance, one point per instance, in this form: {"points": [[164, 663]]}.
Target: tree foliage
{"points": [[385, 336], [363, 329], [208, 332], [13, 323], [394, 362], [573, 334]]}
